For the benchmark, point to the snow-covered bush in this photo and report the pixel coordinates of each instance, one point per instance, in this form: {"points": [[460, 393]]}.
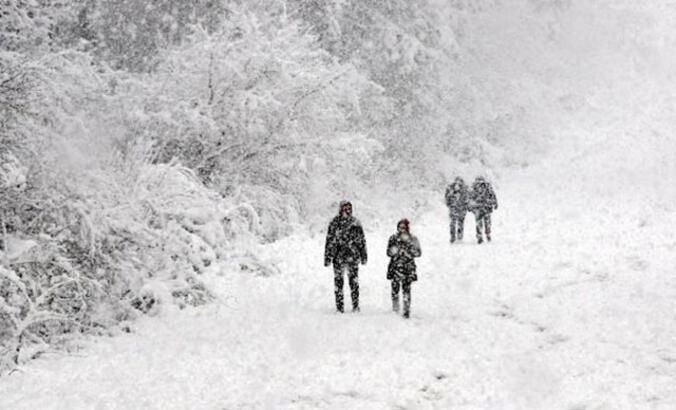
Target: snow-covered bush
{"points": [[86, 230], [83, 257]]}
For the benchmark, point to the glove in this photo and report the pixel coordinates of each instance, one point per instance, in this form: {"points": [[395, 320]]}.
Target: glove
{"points": [[363, 261], [495, 207], [327, 262]]}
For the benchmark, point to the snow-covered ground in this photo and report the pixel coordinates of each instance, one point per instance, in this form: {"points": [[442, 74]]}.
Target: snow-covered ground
{"points": [[572, 306]]}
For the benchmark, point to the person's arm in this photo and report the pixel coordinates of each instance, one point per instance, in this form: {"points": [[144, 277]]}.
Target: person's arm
{"points": [[415, 248], [392, 249], [330, 245], [471, 201], [363, 255]]}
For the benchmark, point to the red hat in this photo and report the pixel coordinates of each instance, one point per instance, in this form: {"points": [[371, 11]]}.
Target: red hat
{"points": [[406, 224]]}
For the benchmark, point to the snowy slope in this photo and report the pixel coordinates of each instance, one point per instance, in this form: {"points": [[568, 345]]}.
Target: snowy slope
{"points": [[571, 307]]}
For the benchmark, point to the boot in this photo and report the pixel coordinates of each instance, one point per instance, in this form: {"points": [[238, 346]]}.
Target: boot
{"points": [[339, 306], [407, 306]]}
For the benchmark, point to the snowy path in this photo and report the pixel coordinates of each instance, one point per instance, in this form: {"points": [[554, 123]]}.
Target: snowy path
{"points": [[564, 310]]}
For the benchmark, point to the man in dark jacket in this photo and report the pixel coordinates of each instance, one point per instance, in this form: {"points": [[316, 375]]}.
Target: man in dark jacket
{"points": [[402, 248], [345, 248], [456, 200], [482, 202]]}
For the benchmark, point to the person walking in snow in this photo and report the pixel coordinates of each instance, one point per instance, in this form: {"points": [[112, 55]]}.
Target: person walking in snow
{"points": [[482, 202], [402, 248], [457, 200], [345, 248]]}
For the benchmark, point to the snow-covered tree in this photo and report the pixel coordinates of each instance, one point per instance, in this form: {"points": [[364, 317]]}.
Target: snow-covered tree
{"points": [[129, 34], [257, 109]]}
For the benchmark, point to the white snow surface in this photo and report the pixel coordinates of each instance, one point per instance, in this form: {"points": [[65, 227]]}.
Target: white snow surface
{"points": [[572, 306]]}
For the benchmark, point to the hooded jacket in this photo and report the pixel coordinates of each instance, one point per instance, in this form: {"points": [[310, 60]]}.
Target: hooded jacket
{"points": [[457, 197], [482, 198], [345, 241]]}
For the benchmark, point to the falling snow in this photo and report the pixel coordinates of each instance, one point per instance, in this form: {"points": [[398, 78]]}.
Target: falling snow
{"points": [[170, 175]]}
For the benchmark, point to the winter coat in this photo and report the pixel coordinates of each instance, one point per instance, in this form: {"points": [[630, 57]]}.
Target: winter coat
{"points": [[482, 198], [402, 249], [457, 198], [345, 241]]}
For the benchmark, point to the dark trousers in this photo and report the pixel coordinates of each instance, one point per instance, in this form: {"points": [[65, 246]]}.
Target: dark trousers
{"points": [[483, 223], [457, 227], [339, 280], [405, 286]]}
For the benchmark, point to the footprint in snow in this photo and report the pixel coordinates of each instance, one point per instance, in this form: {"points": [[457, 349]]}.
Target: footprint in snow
{"points": [[637, 264]]}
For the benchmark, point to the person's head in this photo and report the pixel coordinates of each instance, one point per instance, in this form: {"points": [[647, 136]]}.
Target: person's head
{"points": [[458, 183], [345, 208], [404, 226], [480, 182]]}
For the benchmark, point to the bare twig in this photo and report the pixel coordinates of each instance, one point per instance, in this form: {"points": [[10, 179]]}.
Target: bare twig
{"points": [[211, 78], [5, 253]]}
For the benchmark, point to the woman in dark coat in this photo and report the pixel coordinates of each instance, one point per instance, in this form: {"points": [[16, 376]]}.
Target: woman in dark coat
{"points": [[402, 248]]}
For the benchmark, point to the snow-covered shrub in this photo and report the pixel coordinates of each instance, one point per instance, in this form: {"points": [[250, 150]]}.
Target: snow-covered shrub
{"points": [[87, 230], [27, 25], [128, 34], [12, 174]]}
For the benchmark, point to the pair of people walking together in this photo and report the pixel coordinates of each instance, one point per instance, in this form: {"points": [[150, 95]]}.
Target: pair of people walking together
{"points": [[480, 200], [345, 249]]}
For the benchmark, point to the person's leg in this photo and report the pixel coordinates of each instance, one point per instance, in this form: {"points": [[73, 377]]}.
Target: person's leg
{"points": [[353, 276], [460, 226], [479, 221], [406, 288], [338, 285], [454, 222], [487, 222], [395, 295]]}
